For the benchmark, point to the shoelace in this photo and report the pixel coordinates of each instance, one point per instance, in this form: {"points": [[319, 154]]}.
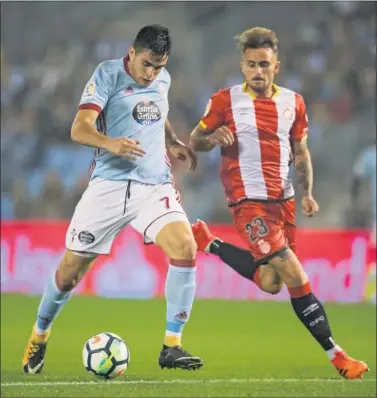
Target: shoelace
{"points": [[34, 348]]}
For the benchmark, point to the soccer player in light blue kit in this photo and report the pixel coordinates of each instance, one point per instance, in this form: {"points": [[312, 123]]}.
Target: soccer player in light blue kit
{"points": [[123, 114]]}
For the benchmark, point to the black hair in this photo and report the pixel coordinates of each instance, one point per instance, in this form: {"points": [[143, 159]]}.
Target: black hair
{"points": [[153, 38]]}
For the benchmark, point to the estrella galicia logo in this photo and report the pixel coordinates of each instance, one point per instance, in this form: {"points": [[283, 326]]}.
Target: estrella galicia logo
{"points": [[86, 237], [146, 113]]}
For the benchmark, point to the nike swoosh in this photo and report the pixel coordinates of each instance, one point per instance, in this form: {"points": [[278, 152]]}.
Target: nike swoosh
{"points": [[36, 368], [187, 358]]}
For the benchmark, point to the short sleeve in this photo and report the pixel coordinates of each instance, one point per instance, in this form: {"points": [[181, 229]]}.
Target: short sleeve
{"points": [[97, 91], [299, 128], [214, 113]]}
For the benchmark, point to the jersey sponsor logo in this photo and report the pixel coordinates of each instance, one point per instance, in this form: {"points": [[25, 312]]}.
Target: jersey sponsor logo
{"points": [[86, 237], [208, 108], [146, 113], [90, 90]]}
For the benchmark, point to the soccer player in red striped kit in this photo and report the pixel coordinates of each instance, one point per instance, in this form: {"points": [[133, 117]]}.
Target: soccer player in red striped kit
{"points": [[261, 128]]}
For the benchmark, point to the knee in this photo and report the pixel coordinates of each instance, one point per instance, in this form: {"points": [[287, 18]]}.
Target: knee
{"points": [[180, 247], [177, 241], [184, 247], [270, 280], [273, 288]]}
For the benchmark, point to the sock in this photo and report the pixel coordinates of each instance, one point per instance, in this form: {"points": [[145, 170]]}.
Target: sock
{"points": [[312, 314], [179, 292], [52, 302], [238, 259]]}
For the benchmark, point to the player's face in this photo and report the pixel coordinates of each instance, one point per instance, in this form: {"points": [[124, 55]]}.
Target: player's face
{"points": [[145, 67], [259, 67]]}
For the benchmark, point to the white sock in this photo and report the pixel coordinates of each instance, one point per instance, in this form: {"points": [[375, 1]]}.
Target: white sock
{"points": [[332, 352], [39, 331]]}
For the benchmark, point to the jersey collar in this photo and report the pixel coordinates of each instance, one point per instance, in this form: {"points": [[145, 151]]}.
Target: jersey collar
{"points": [[275, 89], [125, 64]]}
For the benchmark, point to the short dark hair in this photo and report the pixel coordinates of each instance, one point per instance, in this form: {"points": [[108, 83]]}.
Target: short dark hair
{"points": [[257, 38], [154, 38]]}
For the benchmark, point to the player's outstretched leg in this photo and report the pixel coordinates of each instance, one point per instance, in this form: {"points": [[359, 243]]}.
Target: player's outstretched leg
{"points": [[178, 243], [240, 260], [312, 314], [57, 292]]}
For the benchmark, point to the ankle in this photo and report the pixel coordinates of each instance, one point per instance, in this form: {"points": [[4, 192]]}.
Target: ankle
{"points": [[40, 332], [331, 354]]}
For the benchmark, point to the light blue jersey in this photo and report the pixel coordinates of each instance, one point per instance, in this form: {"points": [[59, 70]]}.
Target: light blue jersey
{"points": [[129, 110], [365, 167]]}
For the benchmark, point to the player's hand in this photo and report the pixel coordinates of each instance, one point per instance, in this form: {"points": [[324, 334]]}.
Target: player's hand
{"points": [[309, 206], [222, 136], [125, 147], [182, 152]]}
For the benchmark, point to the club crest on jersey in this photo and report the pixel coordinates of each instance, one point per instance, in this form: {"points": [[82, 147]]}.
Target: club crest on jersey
{"points": [[288, 113], [208, 108], [89, 90], [146, 112]]}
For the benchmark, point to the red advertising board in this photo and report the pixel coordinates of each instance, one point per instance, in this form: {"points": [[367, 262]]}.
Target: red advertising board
{"points": [[340, 265]]}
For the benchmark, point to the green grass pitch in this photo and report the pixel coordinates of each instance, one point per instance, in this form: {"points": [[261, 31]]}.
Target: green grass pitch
{"points": [[250, 349]]}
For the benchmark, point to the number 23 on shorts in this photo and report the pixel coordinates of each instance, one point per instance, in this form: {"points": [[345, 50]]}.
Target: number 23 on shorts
{"points": [[256, 229]]}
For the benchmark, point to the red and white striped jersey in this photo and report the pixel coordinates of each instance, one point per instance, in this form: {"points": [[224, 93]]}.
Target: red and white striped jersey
{"points": [[256, 166]]}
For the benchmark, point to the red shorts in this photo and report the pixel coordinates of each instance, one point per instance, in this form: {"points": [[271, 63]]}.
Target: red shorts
{"points": [[266, 227]]}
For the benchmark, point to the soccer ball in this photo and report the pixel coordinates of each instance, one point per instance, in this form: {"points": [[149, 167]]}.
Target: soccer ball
{"points": [[106, 355]]}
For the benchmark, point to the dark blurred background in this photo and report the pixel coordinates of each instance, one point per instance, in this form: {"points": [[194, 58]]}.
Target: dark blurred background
{"points": [[49, 51]]}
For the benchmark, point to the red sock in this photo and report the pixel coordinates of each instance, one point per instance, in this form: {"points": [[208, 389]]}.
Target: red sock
{"points": [[300, 291]]}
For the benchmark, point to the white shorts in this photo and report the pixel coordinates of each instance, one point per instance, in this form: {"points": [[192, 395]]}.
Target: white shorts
{"points": [[106, 207]]}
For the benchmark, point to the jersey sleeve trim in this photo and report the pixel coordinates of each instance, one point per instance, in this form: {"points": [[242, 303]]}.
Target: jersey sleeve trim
{"points": [[94, 107], [300, 139], [202, 124]]}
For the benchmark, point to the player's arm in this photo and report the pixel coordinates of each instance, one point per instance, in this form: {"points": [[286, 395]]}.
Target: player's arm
{"points": [[211, 130], [170, 135], [201, 139], [304, 175], [302, 159], [177, 148], [84, 133], [303, 167]]}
